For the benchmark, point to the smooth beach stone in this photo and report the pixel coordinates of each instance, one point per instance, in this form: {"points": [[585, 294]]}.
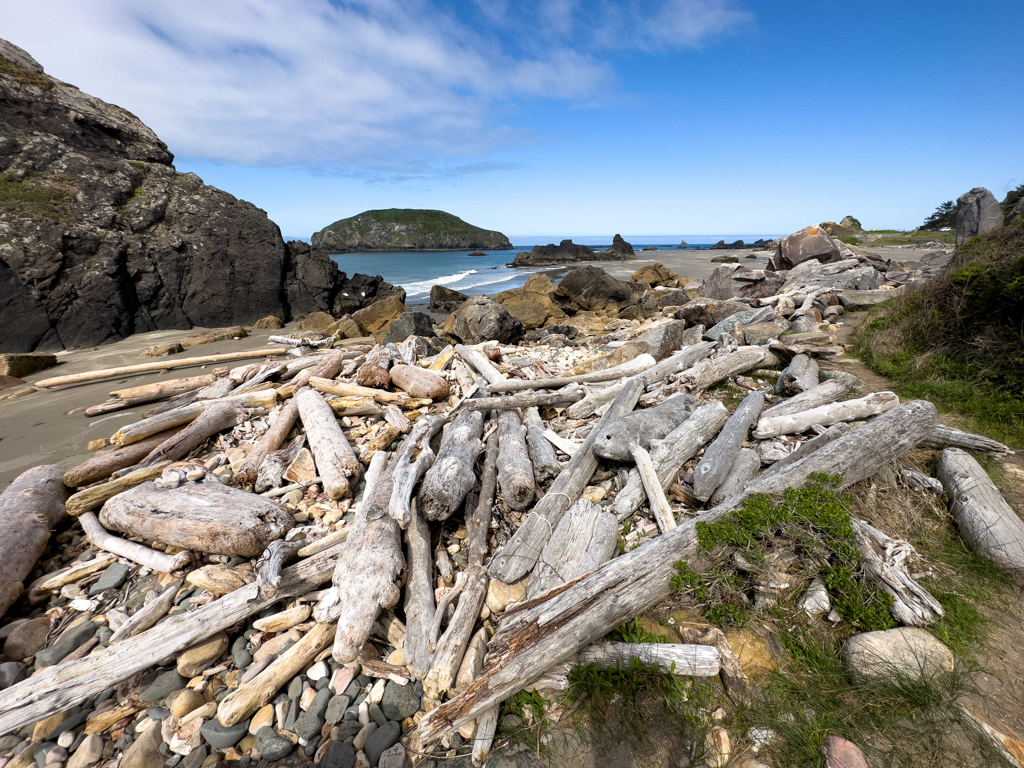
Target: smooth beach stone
{"points": [[907, 652], [27, 638], [112, 578], [271, 746], [399, 702], [376, 715], [380, 740], [295, 688], [340, 755], [222, 737], [11, 672], [69, 641], [185, 702], [359, 742], [263, 717], [336, 709], [165, 684], [312, 720], [395, 757], [202, 655], [88, 752], [642, 428], [348, 729]]}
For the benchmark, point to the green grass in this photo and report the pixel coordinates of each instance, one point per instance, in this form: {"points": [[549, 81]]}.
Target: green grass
{"points": [[30, 199], [24, 75]]}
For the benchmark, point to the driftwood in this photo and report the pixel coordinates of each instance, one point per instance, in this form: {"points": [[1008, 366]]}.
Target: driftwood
{"points": [[268, 567], [652, 487], [632, 367], [744, 469], [823, 394], [947, 437], [718, 459], [521, 551], [568, 447], [615, 440], [826, 415], [683, 660], [393, 415], [563, 396], [985, 520], [515, 471], [419, 597], [222, 415], [216, 390], [419, 382], [448, 481], [800, 375], [478, 517], [140, 430], [204, 516], [669, 455], [150, 393], [103, 465], [273, 467], [337, 464], [30, 508], [147, 616], [101, 538], [331, 387], [95, 496], [109, 373], [538, 635], [57, 688], [452, 645], [542, 453], [586, 537], [487, 726], [480, 363], [245, 477], [832, 433], [707, 373], [408, 471], [733, 677]]}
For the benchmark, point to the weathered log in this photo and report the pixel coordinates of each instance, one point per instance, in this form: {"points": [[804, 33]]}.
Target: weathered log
{"points": [[733, 677], [832, 433], [520, 552], [146, 616], [669, 455], [986, 522], [268, 567], [101, 538], [218, 389], [486, 727], [103, 465], [90, 498], [58, 688], [542, 454], [823, 394], [150, 393], [632, 367], [448, 481], [204, 516], [652, 487], [568, 447], [719, 457], [563, 396], [478, 518], [948, 437], [480, 363], [140, 430], [585, 538], [419, 597], [393, 415], [419, 382], [379, 442], [225, 414], [442, 359], [354, 390], [452, 645], [826, 415], [273, 467], [743, 470], [109, 373], [472, 661], [682, 660], [30, 509], [616, 440], [302, 341], [245, 477], [408, 471], [515, 471], [800, 375], [537, 635], [707, 373], [337, 464], [921, 482]]}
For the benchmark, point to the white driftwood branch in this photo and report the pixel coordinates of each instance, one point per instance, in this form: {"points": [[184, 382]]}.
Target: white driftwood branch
{"points": [[101, 538], [826, 415]]}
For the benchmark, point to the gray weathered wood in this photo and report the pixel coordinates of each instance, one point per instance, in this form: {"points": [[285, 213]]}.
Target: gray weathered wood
{"points": [[632, 367], [615, 441], [652, 487], [826, 415], [480, 363], [419, 596], [515, 470], [452, 645], [419, 382], [832, 433], [824, 393], [271, 440], [103, 465], [800, 375], [276, 463], [744, 469], [707, 373], [520, 552], [564, 396], [948, 437], [542, 453], [100, 538], [224, 414], [140, 430], [586, 537], [719, 457], [150, 393], [335, 461], [448, 481], [683, 660], [146, 616], [408, 471], [478, 519]]}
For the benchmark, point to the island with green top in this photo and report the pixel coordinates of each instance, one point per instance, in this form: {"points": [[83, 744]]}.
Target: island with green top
{"points": [[407, 229]]}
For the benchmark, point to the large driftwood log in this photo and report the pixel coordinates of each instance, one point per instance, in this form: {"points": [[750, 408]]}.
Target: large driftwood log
{"points": [[419, 597], [515, 470], [564, 396], [452, 645], [823, 394], [204, 516], [800, 375], [652, 487], [103, 465], [225, 414], [478, 518], [245, 477], [408, 471], [94, 496], [707, 373], [60, 687], [638, 364], [826, 415], [345, 389], [985, 520], [669, 455], [683, 660], [100, 538], [743, 470], [216, 390], [419, 382], [150, 393], [542, 453], [30, 509], [586, 538], [539, 634], [642, 427], [140, 430], [273, 467], [337, 464], [520, 552], [718, 459], [448, 481], [948, 437]]}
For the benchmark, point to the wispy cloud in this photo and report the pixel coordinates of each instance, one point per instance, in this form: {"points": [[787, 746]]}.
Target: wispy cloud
{"points": [[373, 86]]}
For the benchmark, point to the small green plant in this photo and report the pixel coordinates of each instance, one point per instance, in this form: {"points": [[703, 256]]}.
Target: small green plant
{"points": [[633, 632]]}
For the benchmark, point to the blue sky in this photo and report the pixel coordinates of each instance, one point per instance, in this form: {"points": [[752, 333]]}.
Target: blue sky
{"points": [[563, 117]]}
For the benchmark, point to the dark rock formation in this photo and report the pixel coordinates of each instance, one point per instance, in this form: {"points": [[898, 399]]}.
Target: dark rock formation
{"points": [[444, 299], [592, 289], [409, 324], [721, 245], [810, 243], [407, 229], [620, 249], [566, 252], [479, 319], [977, 213], [100, 237]]}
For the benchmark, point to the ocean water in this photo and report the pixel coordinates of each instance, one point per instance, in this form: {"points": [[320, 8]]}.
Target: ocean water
{"points": [[418, 271]]}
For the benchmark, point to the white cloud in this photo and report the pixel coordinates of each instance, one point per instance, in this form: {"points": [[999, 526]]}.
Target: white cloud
{"points": [[374, 85]]}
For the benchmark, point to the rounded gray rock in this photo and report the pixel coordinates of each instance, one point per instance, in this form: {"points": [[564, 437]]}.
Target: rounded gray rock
{"points": [[399, 701]]}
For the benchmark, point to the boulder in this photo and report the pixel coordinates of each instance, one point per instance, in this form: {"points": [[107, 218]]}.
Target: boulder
{"points": [[848, 274], [7, 382], [709, 312], [757, 283], [725, 260], [670, 297], [194, 660], [905, 652], [532, 303], [759, 334], [719, 284], [376, 317], [592, 289], [409, 324], [977, 213], [270, 322], [314, 321], [444, 299], [162, 350], [479, 319], [344, 328], [665, 339], [213, 336], [658, 274], [810, 243], [22, 364]]}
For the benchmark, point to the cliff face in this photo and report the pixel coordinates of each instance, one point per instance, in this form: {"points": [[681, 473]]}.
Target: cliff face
{"points": [[407, 229], [101, 237]]}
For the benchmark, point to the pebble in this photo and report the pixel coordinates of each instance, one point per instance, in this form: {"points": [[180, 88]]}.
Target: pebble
{"points": [[186, 701], [88, 752], [201, 656], [340, 680], [113, 578], [500, 596], [364, 734], [347, 730], [318, 670], [840, 753], [56, 754], [394, 757], [262, 718], [11, 672], [271, 746], [312, 720], [70, 640], [295, 688], [376, 715], [66, 739], [380, 740], [223, 737], [340, 755], [399, 701], [27, 638], [336, 709], [377, 691], [364, 713], [145, 752]]}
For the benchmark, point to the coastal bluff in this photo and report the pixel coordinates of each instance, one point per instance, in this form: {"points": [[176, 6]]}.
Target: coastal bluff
{"points": [[100, 236], [407, 229]]}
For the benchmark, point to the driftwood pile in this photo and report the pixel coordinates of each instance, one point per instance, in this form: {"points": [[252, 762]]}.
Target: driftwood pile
{"points": [[369, 549]]}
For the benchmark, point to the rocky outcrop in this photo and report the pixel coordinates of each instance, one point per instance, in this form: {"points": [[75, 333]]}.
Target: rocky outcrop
{"points": [[532, 303], [977, 213], [810, 243], [443, 299], [620, 249], [482, 319], [568, 252], [407, 229], [100, 237], [658, 275], [592, 289]]}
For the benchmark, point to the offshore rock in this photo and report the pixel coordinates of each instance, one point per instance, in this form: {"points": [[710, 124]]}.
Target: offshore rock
{"points": [[406, 229]]}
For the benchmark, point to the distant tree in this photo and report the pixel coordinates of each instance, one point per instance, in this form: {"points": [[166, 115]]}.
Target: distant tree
{"points": [[944, 216], [1011, 199]]}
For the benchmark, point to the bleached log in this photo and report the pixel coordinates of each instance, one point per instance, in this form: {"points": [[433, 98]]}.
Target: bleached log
{"points": [[733, 677], [103, 465], [564, 396], [480, 363], [638, 364], [379, 442], [520, 552], [271, 440], [707, 373], [921, 482], [30, 509], [393, 415], [60, 687], [484, 736], [800, 375], [419, 382], [826, 415], [225, 414], [682, 660], [568, 447], [452, 645], [345, 389], [832, 433], [986, 522], [542, 454], [718, 459], [150, 393], [538, 635], [408, 471], [948, 437], [678, 447], [147, 616], [268, 567], [652, 487], [337, 464], [95, 496], [452, 475], [585, 538], [101, 538], [140, 430], [515, 470], [434, 635], [478, 518], [273, 467], [217, 390], [419, 597], [744, 469], [823, 394], [808, 301], [472, 661]]}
